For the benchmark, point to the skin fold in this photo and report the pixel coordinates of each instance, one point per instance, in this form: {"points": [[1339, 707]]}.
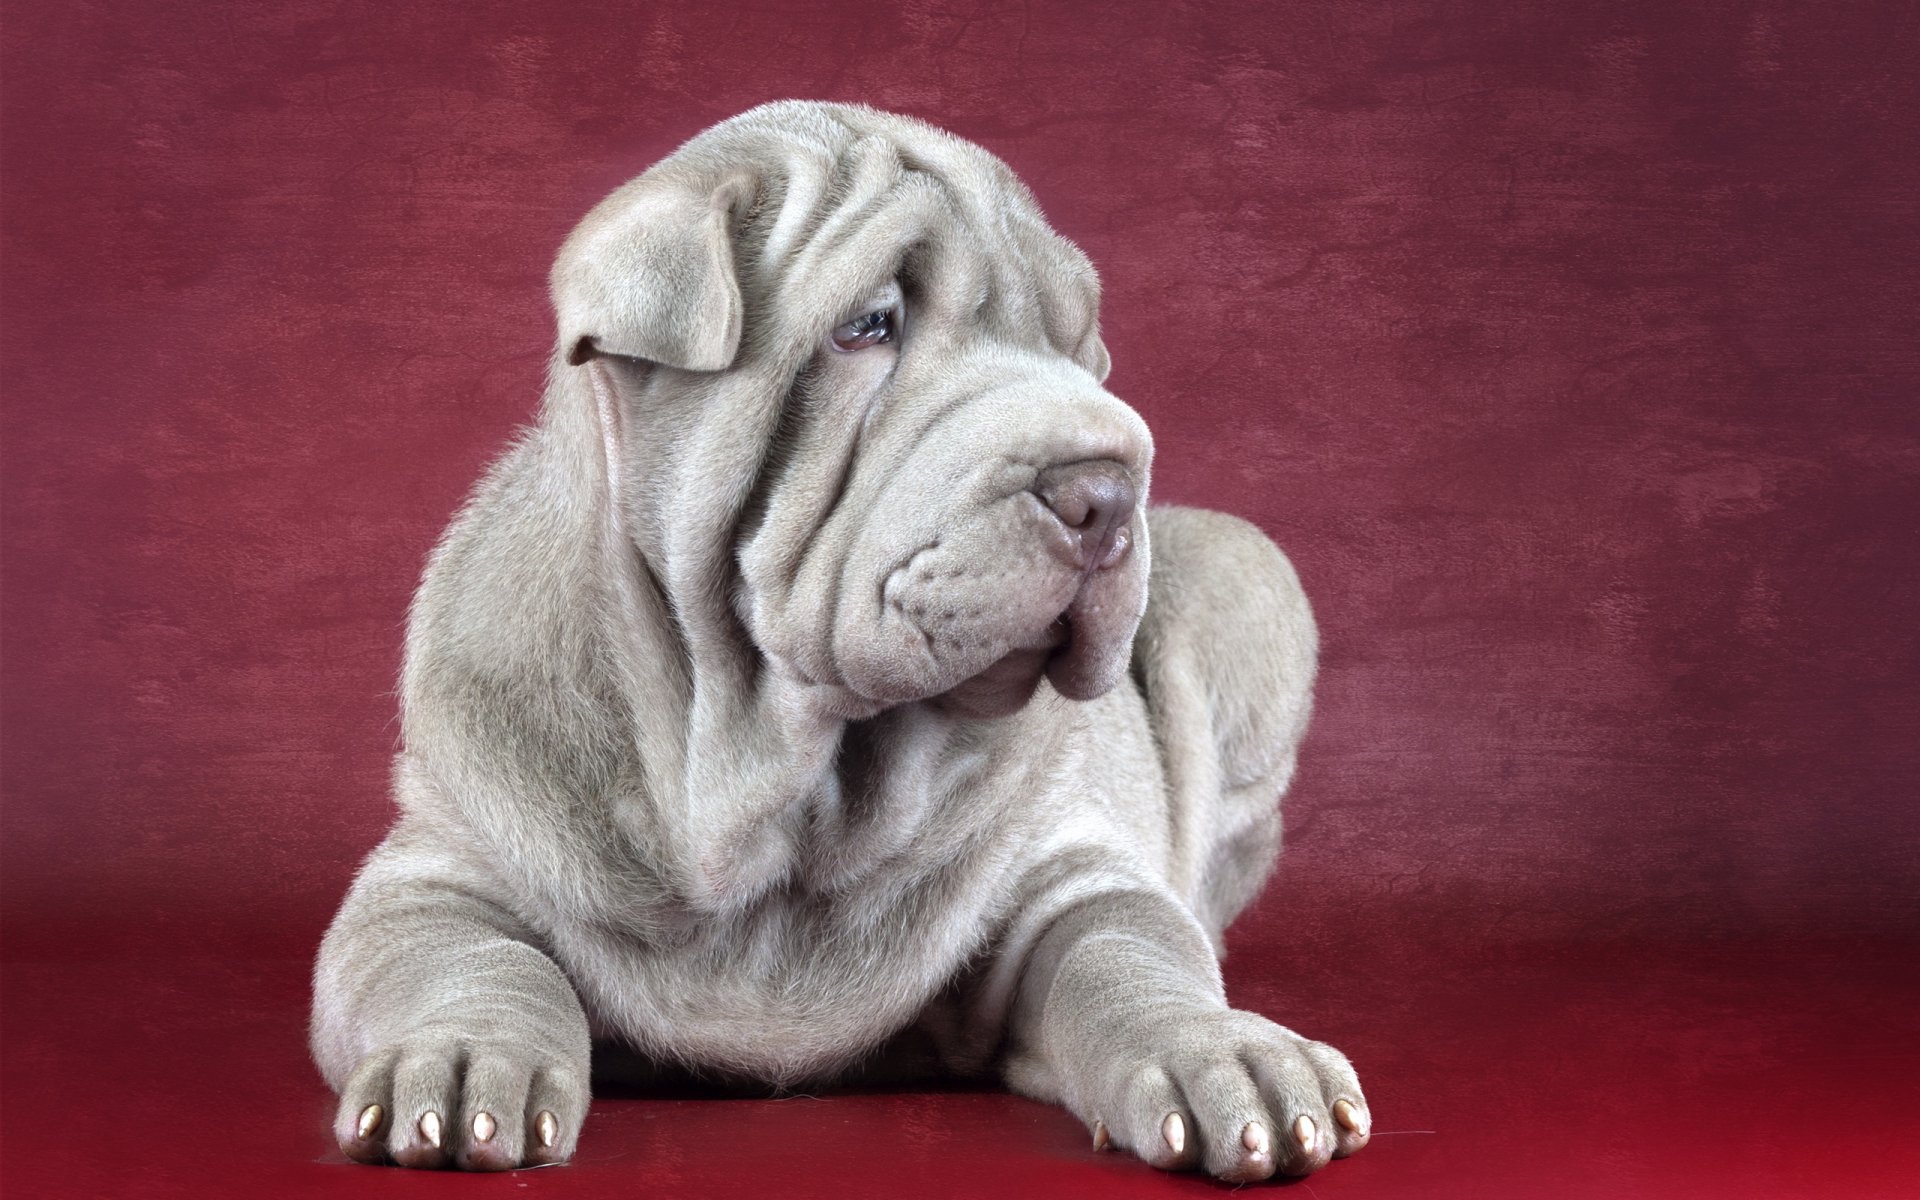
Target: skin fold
{"points": [[809, 695]]}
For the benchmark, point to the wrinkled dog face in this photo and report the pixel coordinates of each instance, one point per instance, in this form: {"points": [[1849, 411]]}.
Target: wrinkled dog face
{"points": [[942, 501], [986, 527]]}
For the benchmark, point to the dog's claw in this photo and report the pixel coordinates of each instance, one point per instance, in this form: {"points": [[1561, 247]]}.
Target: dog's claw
{"points": [[1254, 1138], [1303, 1133], [1174, 1129], [1102, 1140], [547, 1128], [483, 1127], [430, 1128], [370, 1118]]}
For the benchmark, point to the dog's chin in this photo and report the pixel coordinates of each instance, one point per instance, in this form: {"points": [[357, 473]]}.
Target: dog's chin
{"points": [[1075, 663], [1001, 690]]}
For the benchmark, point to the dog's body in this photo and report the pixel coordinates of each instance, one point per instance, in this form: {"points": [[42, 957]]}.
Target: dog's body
{"points": [[726, 739]]}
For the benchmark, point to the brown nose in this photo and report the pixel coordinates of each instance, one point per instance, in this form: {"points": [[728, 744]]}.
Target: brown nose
{"points": [[1094, 501]]}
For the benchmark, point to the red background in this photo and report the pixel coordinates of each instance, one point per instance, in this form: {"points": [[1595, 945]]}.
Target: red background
{"points": [[1570, 349]]}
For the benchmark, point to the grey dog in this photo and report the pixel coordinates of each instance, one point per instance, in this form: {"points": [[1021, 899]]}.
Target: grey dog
{"points": [[809, 695]]}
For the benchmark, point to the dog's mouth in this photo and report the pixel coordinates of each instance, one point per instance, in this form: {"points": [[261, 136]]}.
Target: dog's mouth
{"points": [[1066, 653], [1006, 685]]}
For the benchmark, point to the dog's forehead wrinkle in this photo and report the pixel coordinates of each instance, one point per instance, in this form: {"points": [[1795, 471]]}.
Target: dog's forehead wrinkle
{"points": [[839, 263], [1018, 293], [827, 184], [864, 181], [866, 167], [955, 273], [800, 191], [839, 176]]}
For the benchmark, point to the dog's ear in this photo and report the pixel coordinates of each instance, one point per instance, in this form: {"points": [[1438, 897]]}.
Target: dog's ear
{"points": [[1093, 356], [649, 274]]}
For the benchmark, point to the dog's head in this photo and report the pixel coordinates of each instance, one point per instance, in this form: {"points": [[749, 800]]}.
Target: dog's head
{"points": [[849, 385]]}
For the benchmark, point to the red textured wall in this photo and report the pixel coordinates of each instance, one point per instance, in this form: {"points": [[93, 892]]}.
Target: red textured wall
{"points": [[1570, 349]]}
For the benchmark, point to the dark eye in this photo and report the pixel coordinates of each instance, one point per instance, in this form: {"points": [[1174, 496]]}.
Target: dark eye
{"points": [[873, 329]]}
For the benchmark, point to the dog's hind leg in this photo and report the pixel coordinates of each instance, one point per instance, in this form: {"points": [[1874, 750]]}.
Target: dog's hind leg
{"points": [[1225, 657]]}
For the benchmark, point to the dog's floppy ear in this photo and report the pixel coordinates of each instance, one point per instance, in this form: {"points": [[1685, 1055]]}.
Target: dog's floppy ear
{"points": [[1092, 355], [649, 274]]}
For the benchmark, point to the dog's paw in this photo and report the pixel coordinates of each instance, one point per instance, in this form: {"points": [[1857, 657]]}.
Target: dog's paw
{"points": [[1230, 1093], [455, 1103]]}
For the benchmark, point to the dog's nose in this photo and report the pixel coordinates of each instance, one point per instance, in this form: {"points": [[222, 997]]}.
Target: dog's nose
{"points": [[1094, 501]]}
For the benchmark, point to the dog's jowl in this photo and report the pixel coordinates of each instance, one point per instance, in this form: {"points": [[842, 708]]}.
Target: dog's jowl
{"points": [[811, 695]]}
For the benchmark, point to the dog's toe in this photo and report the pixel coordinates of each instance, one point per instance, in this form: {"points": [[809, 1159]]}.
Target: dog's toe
{"points": [[472, 1106], [1236, 1096]]}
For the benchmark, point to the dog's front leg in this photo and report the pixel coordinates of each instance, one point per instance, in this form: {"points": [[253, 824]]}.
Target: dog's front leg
{"points": [[1121, 1016], [450, 1037]]}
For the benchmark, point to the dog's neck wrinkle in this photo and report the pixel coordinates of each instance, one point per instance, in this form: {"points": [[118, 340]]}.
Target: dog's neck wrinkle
{"points": [[883, 772], [713, 819], [898, 776]]}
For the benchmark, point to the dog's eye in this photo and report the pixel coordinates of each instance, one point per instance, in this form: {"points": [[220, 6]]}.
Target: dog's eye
{"points": [[873, 329]]}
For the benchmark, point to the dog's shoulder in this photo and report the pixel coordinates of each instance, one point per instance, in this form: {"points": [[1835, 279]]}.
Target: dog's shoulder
{"points": [[505, 671], [513, 585]]}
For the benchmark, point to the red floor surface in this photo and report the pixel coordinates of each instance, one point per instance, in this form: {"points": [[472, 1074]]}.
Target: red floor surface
{"points": [[1566, 1070], [1572, 350]]}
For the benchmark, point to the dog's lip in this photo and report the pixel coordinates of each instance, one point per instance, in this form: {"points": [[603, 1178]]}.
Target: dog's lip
{"points": [[1007, 683], [1070, 668], [1071, 651]]}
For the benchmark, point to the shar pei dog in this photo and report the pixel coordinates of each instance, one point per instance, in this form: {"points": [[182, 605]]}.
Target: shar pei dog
{"points": [[810, 696]]}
